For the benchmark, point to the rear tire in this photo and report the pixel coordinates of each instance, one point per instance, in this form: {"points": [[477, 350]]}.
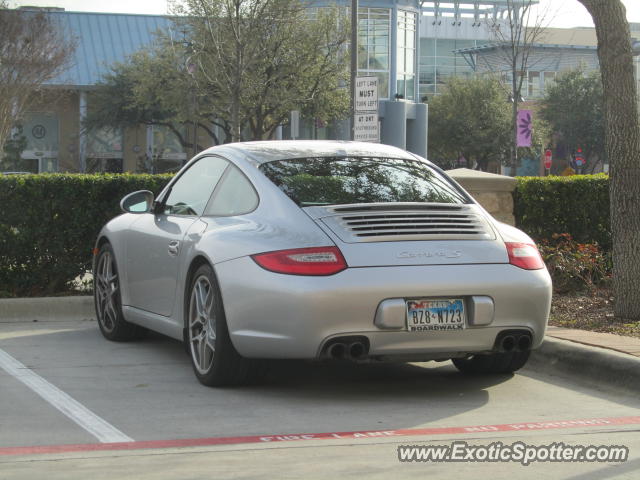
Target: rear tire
{"points": [[215, 360], [107, 300], [492, 363]]}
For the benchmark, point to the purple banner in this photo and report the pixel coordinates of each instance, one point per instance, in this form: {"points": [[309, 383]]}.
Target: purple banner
{"points": [[524, 127]]}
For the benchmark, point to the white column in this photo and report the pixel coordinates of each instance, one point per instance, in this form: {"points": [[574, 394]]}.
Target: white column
{"points": [[393, 57]]}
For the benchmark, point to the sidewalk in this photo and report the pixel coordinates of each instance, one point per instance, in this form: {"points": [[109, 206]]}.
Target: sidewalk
{"points": [[610, 341]]}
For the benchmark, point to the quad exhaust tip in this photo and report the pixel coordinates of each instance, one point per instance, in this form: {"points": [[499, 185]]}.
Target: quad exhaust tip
{"points": [[524, 343], [337, 350], [356, 350], [509, 343], [347, 348], [513, 341]]}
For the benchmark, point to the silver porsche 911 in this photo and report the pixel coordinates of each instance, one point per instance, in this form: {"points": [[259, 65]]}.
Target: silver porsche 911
{"points": [[318, 250]]}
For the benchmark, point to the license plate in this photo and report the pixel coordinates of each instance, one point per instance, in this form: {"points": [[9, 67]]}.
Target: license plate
{"points": [[435, 315]]}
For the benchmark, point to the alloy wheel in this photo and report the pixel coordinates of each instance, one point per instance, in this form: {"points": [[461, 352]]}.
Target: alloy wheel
{"points": [[202, 324], [106, 285]]}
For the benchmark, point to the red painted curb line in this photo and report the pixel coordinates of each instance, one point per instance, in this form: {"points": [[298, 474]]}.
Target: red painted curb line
{"points": [[200, 442]]}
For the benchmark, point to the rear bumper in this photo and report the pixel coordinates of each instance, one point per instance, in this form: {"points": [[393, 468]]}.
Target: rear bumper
{"points": [[283, 316]]}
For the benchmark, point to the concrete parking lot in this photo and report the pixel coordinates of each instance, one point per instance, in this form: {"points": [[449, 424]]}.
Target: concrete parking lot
{"points": [[175, 428]]}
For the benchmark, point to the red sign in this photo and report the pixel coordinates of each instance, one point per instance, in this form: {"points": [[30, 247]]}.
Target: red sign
{"points": [[547, 159]]}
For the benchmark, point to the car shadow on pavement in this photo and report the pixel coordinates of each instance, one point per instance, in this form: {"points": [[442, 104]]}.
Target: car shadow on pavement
{"points": [[384, 379], [311, 378], [342, 379]]}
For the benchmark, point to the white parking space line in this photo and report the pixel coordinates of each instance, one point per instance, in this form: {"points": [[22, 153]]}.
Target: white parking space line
{"points": [[31, 333], [85, 418]]}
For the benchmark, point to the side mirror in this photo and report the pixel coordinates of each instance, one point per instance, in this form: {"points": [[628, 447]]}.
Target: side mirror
{"points": [[137, 202]]}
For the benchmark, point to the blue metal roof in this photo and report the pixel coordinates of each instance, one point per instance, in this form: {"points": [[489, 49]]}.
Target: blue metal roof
{"points": [[102, 39]]}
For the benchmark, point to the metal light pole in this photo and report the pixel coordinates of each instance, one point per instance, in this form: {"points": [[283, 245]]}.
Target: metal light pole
{"points": [[354, 62]]}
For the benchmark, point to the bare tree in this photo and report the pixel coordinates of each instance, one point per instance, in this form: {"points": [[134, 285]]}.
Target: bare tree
{"points": [[516, 31], [622, 144], [33, 49], [260, 59]]}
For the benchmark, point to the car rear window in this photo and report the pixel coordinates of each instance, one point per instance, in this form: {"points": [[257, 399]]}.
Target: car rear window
{"points": [[348, 180]]}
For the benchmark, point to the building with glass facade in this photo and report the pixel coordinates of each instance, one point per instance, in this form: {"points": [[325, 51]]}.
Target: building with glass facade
{"points": [[388, 44]]}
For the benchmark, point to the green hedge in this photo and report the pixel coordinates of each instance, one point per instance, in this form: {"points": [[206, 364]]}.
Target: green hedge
{"points": [[578, 205], [49, 223]]}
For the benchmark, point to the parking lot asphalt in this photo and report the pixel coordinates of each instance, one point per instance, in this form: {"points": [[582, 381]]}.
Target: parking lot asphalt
{"points": [[146, 392]]}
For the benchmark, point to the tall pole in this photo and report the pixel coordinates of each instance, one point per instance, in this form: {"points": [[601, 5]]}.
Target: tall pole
{"points": [[354, 62], [195, 122], [514, 122]]}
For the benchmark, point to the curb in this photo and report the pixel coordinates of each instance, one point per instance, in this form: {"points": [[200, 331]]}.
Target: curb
{"points": [[46, 309], [593, 365]]}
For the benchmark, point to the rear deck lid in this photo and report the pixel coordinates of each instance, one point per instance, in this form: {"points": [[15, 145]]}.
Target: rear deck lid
{"points": [[411, 234], [389, 211]]}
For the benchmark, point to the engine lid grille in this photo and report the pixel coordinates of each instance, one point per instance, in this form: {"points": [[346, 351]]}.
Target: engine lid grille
{"points": [[459, 222]]}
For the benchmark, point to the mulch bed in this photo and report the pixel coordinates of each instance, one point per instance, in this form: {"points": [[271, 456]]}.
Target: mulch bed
{"points": [[590, 311]]}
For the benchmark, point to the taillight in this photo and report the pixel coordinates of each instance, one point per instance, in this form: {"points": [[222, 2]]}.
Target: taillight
{"points": [[303, 261], [524, 255]]}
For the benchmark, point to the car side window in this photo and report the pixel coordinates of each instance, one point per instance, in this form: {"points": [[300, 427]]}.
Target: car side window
{"points": [[191, 192], [234, 196]]}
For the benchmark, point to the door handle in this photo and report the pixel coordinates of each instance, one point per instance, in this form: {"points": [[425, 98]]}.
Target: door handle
{"points": [[173, 248]]}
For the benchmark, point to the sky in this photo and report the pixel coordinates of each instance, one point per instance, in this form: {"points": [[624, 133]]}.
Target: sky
{"points": [[562, 13]]}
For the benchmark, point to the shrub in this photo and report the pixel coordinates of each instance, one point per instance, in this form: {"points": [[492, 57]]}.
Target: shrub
{"points": [[575, 266], [49, 223], [578, 205]]}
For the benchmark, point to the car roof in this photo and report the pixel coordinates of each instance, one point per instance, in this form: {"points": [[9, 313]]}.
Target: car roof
{"points": [[270, 150]]}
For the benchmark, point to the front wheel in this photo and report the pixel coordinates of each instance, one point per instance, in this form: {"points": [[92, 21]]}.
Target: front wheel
{"points": [[492, 363], [106, 296], [215, 360]]}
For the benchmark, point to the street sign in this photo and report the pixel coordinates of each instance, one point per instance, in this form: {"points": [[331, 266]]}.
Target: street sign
{"points": [[547, 159], [365, 118], [366, 94], [366, 127]]}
